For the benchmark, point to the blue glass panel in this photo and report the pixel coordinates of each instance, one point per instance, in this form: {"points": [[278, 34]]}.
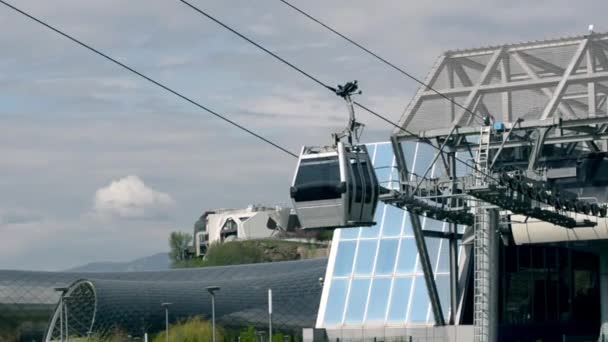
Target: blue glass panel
{"points": [[393, 220], [407, 226], [357, 300], [373, 231], [431, 224], [344, 258], [461, 169], [461, 228], [387, 254], [383, 163], [420, 302], [335, 301], [424, 157], [443, 287], [399, 299], [365, 257], [349, 233], [437, 170], [409, 149], [376, 309], [432, 247], [444, 256], [371, 149], [407, 256]]}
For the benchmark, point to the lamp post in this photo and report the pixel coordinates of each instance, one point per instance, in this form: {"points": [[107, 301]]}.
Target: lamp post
{"points": [[63, 290], [166, 306], [212, 290], [270, 315]]}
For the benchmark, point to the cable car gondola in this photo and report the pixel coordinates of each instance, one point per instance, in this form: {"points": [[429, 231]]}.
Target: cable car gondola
{"points": [[336, 186]]}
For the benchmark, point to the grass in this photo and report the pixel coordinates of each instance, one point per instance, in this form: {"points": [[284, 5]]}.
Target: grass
{"points": [[192, 330], [251, 252]]}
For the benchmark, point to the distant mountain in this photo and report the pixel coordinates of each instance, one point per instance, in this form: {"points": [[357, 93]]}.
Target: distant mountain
{"points": [[156, 262]]}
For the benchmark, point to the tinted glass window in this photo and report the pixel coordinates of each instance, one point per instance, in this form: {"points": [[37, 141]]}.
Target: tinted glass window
{"points": [[366, 254], [335, 301], [318, 179], [407, 256], [357, 300], [399, 300], [393, 220], [319, 169], [376, 309], [420, 302], [387, 254], [344, 259]]}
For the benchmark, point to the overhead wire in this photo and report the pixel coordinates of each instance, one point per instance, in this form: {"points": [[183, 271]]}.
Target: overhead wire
{"points": [[149, 79], [380, 58], [316, 80]]}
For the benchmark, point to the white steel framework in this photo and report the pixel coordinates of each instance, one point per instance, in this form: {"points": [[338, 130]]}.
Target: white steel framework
{"points": [[565, 78]]}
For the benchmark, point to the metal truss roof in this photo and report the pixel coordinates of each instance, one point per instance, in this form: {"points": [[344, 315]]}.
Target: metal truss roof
{"points": [[561, 78]]}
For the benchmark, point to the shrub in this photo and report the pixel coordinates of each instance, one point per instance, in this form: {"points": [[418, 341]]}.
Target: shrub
{"points": [[192, 330]]}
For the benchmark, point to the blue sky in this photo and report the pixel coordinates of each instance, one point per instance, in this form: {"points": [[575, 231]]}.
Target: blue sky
{"points": [[71, 123]]}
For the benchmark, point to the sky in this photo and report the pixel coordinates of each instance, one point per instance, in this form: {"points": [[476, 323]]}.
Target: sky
{"points": [[97, 164]]}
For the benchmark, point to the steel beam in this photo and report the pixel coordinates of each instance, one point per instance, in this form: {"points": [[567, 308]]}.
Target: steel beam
{"points": [[404, 174], [454, 295], [412, 108], [473, 95], [520, 126], [505, 76], [566, 110], [427, 269], [537, 148], [591, 89], [464, 278], [519, 85], [466, 81], [561, 86]]}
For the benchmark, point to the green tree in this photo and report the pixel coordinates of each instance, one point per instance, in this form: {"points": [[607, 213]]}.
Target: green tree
{"points": [[178, 243], [249, 335]]}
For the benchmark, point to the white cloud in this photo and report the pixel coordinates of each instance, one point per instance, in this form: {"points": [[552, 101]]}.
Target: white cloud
{"points": [[130, 198]]}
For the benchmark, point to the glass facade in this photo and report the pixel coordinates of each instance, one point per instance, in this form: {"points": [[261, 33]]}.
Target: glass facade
{"points": [[375, 277]]}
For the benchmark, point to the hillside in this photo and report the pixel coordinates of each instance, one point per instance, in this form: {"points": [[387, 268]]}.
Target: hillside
{"points": [[257, 251], [156, 262]]}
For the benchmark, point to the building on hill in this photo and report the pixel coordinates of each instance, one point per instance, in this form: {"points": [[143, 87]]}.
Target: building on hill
{"points": [[253, 222]]}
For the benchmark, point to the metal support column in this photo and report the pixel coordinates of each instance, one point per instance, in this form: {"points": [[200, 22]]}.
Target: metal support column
{"points": [[485, 316], [401, 164], [427, 268], [454, 295], [604, 293]]}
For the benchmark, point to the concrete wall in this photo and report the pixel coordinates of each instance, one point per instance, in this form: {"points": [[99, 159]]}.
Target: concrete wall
{"points": [[452, 333]]}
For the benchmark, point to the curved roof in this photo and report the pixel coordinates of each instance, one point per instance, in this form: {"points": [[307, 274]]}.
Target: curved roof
{"points": [[131, 302]]}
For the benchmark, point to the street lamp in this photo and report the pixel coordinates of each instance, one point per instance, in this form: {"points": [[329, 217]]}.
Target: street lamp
{"points": [[166, 306], [66, 299], [63, 290], [212, 290]]}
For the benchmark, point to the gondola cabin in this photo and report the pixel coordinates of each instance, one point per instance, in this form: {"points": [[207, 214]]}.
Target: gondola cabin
{"points": [[335, 187]]}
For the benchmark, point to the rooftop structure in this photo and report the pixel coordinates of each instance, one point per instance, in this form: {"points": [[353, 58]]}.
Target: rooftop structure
{"points": [[564, 78]]}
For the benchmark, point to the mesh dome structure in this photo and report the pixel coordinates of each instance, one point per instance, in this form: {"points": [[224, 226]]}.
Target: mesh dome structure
{"points": [[102, 303], [131, 303]]}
